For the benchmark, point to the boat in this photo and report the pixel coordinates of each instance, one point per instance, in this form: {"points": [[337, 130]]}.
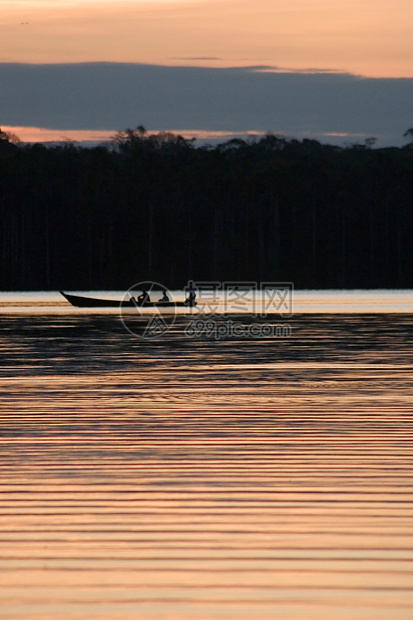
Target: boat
{"points": [[91, 302]]}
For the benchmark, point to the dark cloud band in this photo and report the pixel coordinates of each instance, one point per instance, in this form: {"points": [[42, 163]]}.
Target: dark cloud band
{"points": [[116, 95]]}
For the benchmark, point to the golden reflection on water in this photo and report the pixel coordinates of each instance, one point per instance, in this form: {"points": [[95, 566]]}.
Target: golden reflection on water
{"points": [[182, 479]]}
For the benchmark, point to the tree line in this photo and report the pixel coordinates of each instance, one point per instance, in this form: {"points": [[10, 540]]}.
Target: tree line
{"points": [[159, 207]]}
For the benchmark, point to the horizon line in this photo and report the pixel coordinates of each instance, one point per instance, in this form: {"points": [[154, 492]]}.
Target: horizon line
{"points": [[44, 135]]}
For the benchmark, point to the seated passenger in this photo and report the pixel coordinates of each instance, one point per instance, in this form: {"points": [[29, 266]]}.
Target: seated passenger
{"points": [[190, 300], [164, 297], [143, 298]]}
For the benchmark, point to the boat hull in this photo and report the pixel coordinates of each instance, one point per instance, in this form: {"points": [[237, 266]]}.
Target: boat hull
{"points": [[91, 302]]}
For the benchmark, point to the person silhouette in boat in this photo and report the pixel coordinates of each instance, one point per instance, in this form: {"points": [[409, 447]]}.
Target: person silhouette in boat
{"points": [[164, 297], [143, 298], [190, 300]]}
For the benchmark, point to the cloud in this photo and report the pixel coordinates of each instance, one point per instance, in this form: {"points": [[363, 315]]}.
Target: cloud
{"points": [[111, 96], [197, 58]]}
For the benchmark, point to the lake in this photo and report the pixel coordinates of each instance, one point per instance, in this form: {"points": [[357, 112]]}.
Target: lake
{"points": [[192, 476]]}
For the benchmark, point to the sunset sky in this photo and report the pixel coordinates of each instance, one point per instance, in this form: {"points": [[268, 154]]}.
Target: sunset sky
{"points": [[369, 42]]}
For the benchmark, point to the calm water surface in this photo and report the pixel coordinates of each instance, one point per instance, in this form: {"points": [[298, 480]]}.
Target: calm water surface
{"points": [[190, 478]]}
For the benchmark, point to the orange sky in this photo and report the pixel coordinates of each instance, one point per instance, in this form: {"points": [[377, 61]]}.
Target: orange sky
{"points": [[366, 37]]}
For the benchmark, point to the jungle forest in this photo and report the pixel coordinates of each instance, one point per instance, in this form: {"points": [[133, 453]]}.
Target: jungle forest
{"points": [[159, 207]]}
